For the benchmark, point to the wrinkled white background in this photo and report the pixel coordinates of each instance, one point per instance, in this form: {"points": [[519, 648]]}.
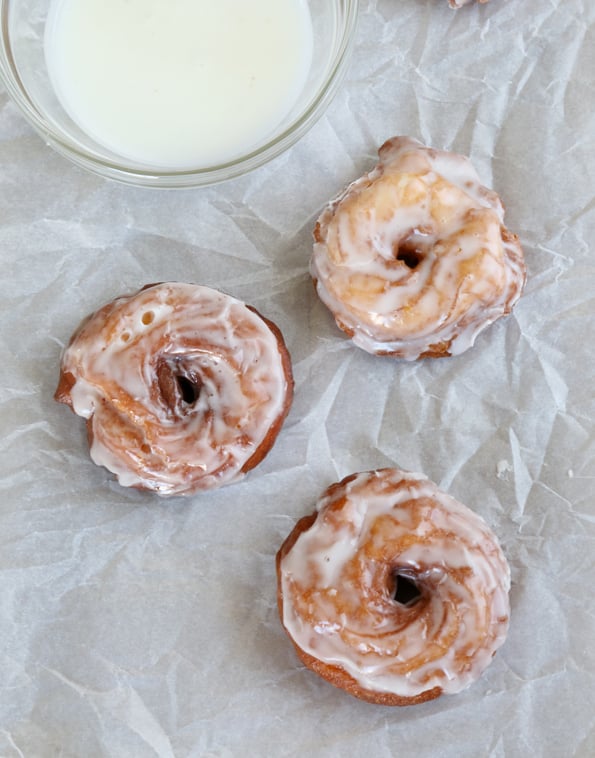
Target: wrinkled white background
{"points": [[134, 626]]}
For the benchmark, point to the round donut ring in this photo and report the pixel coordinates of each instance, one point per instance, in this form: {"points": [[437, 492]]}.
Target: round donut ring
{"points": [[413, 259], [184, 388], [392, 590]]}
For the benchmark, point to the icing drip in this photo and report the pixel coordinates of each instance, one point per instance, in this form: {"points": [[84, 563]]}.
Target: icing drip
{"points": [[412, 258], [180, 384], [338, 580]]}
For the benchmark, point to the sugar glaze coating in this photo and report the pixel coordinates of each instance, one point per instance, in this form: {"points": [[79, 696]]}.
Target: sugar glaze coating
{"points": [[184, 388], [337, 573], [413, 259]]}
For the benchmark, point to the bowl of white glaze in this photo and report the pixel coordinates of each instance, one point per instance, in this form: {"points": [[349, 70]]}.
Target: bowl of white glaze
{"points": [[173, 93]]}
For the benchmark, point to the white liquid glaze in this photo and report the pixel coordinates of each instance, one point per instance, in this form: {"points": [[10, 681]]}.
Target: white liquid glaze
{"points": [[124, 355], [336, 586], [470, 270], [178, 83]]}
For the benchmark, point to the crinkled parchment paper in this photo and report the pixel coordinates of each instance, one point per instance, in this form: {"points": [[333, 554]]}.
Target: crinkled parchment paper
{"points": [[132, 626]]}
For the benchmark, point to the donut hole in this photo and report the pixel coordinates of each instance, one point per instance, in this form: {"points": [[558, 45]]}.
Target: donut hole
{"points": [[179, 388], [406, 592], [414, 246], [189, 389], [148, 318], [410, 254]]}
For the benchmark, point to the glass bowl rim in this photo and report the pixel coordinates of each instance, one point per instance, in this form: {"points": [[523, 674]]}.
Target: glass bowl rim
{"points": [[185, 178]]}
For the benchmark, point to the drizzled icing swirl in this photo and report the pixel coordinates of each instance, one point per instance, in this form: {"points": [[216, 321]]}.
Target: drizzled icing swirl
{"points": [[184, 388], [413, 259], [338, 578]]}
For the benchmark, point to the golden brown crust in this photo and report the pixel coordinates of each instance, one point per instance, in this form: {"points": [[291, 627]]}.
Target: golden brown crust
{"points": [[354, 622], [341, 679], [66, 382], [408, 258], [335, 675], [268, 442], [134, 437]]}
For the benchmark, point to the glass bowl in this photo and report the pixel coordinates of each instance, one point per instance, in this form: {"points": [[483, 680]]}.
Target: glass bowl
{"points": [[24, 72]]}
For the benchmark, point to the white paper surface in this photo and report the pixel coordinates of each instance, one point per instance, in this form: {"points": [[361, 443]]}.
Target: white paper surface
{"points": [[135, 626]]}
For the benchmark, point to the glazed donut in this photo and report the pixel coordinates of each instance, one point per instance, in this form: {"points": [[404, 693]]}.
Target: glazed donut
{"points": [[413, 259], [184, 388], [392, 590]]}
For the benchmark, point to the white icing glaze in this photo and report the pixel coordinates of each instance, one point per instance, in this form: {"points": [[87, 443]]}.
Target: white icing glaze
{"points": [[127, 360], [337, 583], [429, 208]]}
